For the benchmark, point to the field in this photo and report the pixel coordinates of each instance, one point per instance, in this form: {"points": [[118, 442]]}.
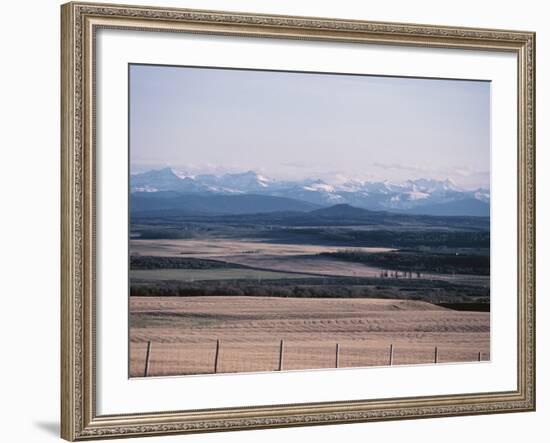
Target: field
{"points": [[264, 256], [249, 281], [184, 333], [190, 275]]}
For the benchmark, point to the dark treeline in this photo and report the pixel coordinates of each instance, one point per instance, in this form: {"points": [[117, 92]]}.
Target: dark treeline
{"points": [[332, 236], [154, 262], [427, 290], [301, 219], [379, 238], [399, 237], [418, 261]]}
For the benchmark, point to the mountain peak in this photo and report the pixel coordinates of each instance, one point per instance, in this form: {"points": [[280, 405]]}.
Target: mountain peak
{"points": [[162, 172], [431, 185], [243, 181], [343, 207], [346, 196], [164, 179]]}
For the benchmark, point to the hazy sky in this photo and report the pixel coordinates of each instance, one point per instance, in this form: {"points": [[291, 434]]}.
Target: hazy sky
{"points": [[299, 125]]}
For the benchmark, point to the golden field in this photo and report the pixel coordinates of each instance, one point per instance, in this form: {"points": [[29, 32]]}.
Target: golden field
{"points": [[183, 332]]}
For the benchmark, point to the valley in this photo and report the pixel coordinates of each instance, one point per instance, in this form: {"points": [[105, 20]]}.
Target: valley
{"points": [[363, 279]]}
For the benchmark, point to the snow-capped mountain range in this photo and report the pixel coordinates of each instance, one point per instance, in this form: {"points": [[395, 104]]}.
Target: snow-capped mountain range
{"points": [[422, 196]]}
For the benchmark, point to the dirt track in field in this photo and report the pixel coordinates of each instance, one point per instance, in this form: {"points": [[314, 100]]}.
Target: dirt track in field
{"points": [[183, 332]]}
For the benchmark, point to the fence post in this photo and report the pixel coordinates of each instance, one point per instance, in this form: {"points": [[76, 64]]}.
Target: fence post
{"points": [[337, 355], [217, 356], [435, 355], [391, 355], [281, 350], [147, 357]]}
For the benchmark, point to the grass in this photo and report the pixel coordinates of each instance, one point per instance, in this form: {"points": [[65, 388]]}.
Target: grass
{"points": [[190, 275]]}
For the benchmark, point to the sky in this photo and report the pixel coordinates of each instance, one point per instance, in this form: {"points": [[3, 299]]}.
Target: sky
{"points": [[290, 125]]}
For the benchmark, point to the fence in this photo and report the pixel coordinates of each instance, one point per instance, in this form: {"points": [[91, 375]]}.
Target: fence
{"points": [[282, 355]]}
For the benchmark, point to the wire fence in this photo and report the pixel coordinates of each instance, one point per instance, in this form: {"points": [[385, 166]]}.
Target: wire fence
{"points": [[218, 356]]}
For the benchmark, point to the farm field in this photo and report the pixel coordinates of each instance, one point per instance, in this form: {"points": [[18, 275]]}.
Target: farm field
{"points": [[215, 247], [183, 332], [189, 275], [265, 256], [250, 281]]}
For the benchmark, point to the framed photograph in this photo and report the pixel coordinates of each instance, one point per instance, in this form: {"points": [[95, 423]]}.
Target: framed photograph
{"points": [[282, 221]]}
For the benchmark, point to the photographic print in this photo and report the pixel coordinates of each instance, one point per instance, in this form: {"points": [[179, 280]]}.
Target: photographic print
{"points": [[275, 221], [286, 220]]}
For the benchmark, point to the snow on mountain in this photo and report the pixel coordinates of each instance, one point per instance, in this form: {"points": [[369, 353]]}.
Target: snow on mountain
{"points": [[321, 186], [431, 185], [246, 180], [145, 188], [415, 194], [164, 180], [409, 196], [482, 195], [379, 187], [352, 186]]}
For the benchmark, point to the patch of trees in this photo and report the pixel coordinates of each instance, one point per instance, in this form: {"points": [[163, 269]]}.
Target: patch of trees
{"points": [[157, 234], [381, 238], [154, 262], [435, 292], [413, 263]]}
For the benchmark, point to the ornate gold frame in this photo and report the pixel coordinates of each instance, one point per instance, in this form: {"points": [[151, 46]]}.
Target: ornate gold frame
{"points": [[79, 22]]}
